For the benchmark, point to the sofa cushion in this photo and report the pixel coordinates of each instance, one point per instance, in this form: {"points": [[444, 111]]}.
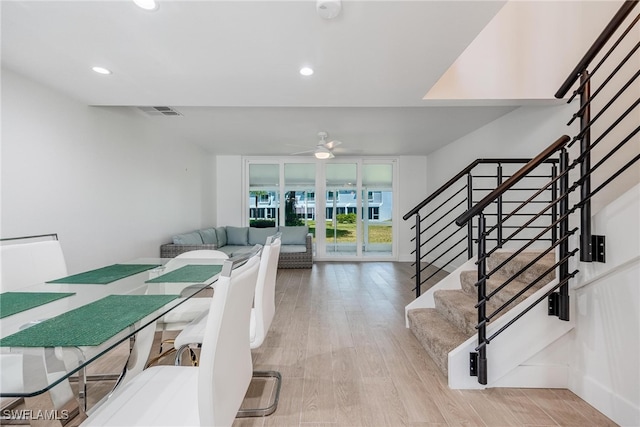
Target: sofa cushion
{"points": [[294, 235], [228, 250], [258, 236], [293, 249], [237, 235], [221, 234], [192, 238], [209, 236]]}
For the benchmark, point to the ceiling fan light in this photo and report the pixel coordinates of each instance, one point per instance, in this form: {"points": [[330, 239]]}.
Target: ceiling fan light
{"points": [[323, 154], [150, 5]]}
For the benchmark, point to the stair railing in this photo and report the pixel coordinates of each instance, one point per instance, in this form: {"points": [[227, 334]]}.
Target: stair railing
{"points": [[439, 244], [587, 100], [560, 223], [591, 247]]}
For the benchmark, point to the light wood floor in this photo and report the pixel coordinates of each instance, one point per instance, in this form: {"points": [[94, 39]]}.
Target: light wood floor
{"points": [[347, 359]]}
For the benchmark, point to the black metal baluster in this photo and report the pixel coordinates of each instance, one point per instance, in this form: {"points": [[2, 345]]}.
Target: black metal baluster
{"points": [[585, 166], [469, 224], [482, 293], [554, 209], [563, 301], [499, 207], [417, 255]]}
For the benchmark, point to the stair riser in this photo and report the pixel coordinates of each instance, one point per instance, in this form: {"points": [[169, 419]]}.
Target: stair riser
{"points": [[515, 265], [463, 317], [530, 275], [435, 334], [430, 345], [468, 280]]}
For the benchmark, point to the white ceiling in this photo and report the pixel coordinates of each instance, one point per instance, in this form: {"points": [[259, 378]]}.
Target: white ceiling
{"points": [[231, 68]]}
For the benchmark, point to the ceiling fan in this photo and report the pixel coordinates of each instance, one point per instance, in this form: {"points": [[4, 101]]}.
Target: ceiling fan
{"points": [[324, 148]]}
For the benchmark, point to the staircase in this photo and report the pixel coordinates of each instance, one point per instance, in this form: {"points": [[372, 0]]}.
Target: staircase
{"points": [[511, 230], [453, 319]]}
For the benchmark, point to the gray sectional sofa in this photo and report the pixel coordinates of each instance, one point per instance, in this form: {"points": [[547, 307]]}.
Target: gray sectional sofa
{"points": [[296, 250]]}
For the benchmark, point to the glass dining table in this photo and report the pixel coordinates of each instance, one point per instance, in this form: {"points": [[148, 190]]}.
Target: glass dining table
{"points": [[52, 331]]}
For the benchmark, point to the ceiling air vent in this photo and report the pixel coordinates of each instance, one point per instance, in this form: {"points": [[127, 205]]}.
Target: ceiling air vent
{"points": [[160, 111]]}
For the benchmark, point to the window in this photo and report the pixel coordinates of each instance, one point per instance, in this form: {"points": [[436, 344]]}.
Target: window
{"points": [[264, 203], [299, 182]]}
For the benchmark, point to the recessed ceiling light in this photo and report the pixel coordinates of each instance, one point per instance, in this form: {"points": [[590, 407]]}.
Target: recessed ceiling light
{"points": [[146, 4], [101, 70], [306, 71]]}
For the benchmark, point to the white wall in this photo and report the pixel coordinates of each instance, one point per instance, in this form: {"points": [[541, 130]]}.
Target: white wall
{"points": [[411, 191], [512, 50], [525, 52], [111, 182], [522, 133], [229, 191], [604, 362]]}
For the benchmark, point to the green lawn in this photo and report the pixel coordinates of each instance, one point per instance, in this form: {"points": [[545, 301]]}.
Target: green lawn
{"points": [[347, 232]]}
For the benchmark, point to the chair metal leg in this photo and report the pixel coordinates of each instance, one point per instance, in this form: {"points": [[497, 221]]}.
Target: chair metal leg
{"points": [[192, 355], [263, 412], [156, 359]]}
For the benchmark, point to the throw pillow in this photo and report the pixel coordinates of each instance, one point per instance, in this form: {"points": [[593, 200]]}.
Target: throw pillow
{"points": [[238, 236], [294, 235], [209, 236], [258, 236], [221, 234], [192, 238]]}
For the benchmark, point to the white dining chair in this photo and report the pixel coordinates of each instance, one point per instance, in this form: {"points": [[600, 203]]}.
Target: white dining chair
{"points": [[204, 253], [188, 311], [261, 317], [30, 263], [209, 394], [11, 380], [23, 263]]}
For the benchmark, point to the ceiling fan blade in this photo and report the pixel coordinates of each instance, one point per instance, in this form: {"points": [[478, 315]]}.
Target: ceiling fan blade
{"points": [[303, 152], [297, 145], [332, 144]]}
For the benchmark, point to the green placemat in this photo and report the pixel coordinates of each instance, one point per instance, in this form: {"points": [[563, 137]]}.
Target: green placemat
{"points": [[15, 302], [104, 275], [89, 325], [188, 274]]}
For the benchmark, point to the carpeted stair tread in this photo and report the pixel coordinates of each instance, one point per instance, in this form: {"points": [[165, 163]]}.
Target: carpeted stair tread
{"points": [[520, 261], [468, 280], [458, 307], [436, 334]]}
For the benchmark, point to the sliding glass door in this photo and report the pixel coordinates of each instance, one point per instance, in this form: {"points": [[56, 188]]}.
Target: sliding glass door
{"points": [[377, 208], [342, 209], [347, 204]]}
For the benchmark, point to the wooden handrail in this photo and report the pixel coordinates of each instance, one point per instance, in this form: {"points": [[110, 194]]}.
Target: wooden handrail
{"points": [[596, 47], [440, 190], [514, 179]]}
